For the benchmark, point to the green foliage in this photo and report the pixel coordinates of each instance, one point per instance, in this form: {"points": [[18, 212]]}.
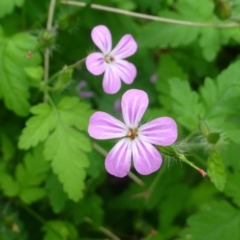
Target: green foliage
{"points": [[14, 81], [7, 7], [217, 220], [53, 181], [55, 230], [188, 108], [216, 170], [27, 178]]}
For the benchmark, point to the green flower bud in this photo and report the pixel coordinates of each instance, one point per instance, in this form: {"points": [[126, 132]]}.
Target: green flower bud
{"points": [[222, 10], [213, 137]]}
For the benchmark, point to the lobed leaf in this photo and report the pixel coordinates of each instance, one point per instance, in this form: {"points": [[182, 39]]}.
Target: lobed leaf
{"points": [[7, 7], [14, 81], [37, 127], [217, 220], [63, 148]]}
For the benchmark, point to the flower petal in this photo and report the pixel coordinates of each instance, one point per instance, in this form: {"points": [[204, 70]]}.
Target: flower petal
{"points": [[161, 131], [104, 126], [126, 47], [118, 160], [101, 36], [111, 80], [127, 71], [134, 104], [95, 63], [146, 157]]}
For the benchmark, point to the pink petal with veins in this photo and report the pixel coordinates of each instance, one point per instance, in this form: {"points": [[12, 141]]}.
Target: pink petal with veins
{"points": [[101, 36], [161, 131], [111, 80], [103, 126], [118, 160], [134, 104], [127, 71], [95, 63], [126, 47], [146, 157]]}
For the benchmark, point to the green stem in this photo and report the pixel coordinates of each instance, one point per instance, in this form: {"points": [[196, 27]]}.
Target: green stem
{"points": [[150, 17], [47, 52], [184, 159]]}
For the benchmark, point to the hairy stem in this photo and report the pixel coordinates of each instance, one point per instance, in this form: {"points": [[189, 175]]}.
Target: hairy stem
{"points": [[47, 52], [150, 17]]}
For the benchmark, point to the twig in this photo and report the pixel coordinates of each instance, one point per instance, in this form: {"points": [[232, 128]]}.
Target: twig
{"points": [[47, 52], [150, 17], [103, 230], [130, 174]]}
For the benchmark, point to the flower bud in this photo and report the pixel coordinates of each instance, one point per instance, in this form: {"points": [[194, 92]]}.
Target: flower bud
{"points": [[213, 137], [222, 10]]}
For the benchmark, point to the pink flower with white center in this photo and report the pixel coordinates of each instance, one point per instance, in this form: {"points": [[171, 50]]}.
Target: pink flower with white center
{"points": [[135, 140], [111, 62]]}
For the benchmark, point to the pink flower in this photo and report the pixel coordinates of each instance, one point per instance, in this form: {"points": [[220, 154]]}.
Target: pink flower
{"points": [[112, 61], [135, 140]]}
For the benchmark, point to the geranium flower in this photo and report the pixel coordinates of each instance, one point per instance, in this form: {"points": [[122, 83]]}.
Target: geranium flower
{"points": [[111, 62], [135, 140]]}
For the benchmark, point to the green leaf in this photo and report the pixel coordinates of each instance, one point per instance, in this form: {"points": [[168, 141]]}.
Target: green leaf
{"points": [[210, 41], [7, 7], [74, 112], [218, 220], [216, 170], [9, 186], [31, 174], [232, 188], [188, 108], [56, 230], [164, 35], [64, 148], [37, 127], [168, 68], [14, 81], [56, 194]]}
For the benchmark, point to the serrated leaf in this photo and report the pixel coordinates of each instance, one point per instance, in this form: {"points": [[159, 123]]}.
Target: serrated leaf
{"points": [[35, 72], [56, 230], [56, 194], [9, 185], [7, 7], [168, 68], [31, 174], [74, 112], [188, 108], [216, 170], [218, 220], [37, 127], [210, 41], [63, 148], [14, 82]]}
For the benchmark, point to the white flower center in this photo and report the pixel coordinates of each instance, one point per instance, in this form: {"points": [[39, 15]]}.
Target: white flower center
{"points": [[109, 59], [132, 133]]}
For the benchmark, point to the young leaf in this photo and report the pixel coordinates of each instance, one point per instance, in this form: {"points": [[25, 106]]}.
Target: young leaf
{"points": [[65, 149], [14, 81], [216, 170], [218, 220], [37, 127]]}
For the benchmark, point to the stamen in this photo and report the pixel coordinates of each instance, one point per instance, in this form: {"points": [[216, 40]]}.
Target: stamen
{"points": [[132, 133], [109, 59]]}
